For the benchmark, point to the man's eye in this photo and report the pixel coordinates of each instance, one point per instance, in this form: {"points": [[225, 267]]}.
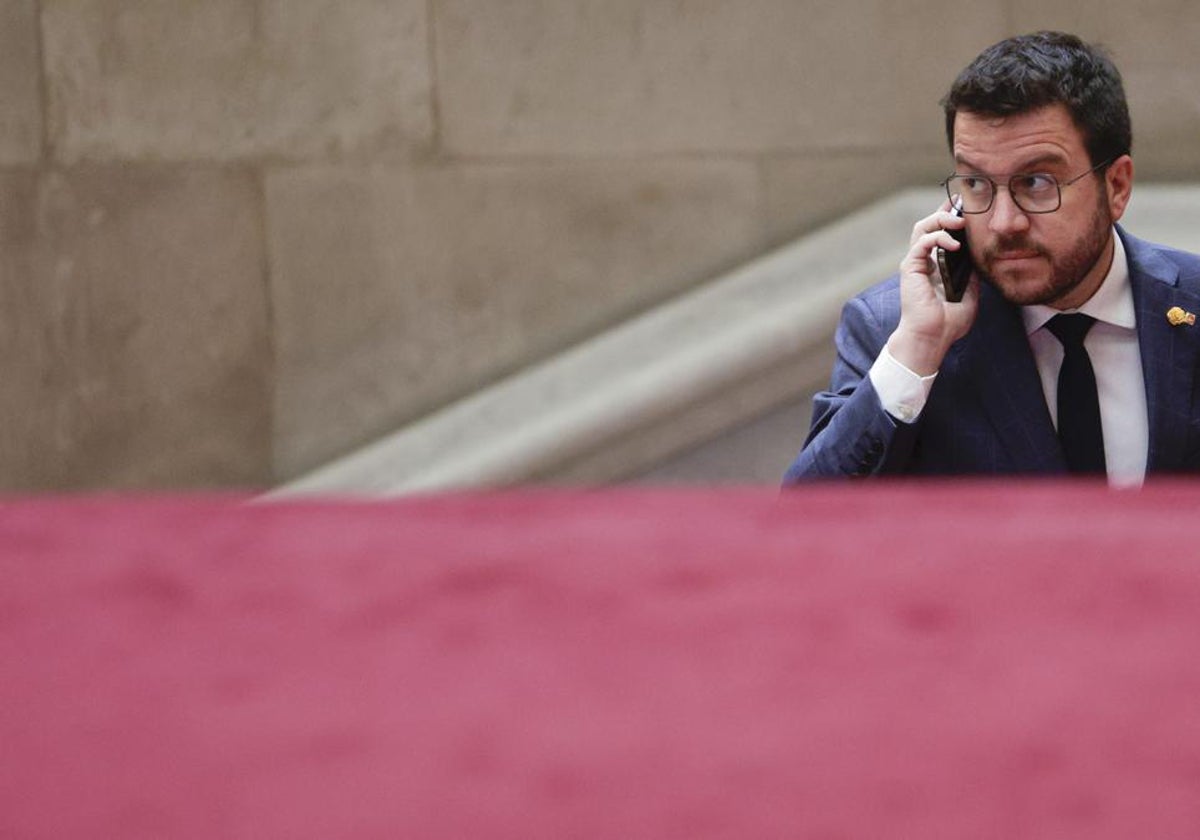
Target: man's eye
{"points": [[972, 184], [1035, 184]]}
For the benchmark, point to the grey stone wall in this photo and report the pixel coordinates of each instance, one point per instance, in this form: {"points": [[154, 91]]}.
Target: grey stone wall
{"points": [[241, 237]]}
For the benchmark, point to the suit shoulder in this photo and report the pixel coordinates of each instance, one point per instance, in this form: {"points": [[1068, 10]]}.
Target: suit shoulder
{"points": [[882, 300], [1144, 254]]}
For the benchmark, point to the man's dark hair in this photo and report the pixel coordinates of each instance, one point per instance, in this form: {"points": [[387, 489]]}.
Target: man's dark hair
{"points": [[1028, 72]]}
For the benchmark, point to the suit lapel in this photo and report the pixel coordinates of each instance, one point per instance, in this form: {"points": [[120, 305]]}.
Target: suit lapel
{"points": [[997, 358], [1169, 353]]}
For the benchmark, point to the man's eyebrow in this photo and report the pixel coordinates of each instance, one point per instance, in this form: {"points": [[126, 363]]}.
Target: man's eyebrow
{"points": [[1028, 166]]}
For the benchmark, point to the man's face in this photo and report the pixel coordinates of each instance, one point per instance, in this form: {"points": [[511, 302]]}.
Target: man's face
{"points": [[1058, 258]]}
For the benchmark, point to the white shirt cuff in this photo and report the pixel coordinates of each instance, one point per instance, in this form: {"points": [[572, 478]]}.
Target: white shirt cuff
{"points": [[901, 391]]}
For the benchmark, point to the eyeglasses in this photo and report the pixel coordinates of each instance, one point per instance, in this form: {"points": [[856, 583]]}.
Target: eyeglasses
{"points": [[1033, 192]]}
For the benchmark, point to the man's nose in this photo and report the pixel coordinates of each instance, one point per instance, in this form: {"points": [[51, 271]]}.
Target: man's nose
{"points": [[1006, 217]]}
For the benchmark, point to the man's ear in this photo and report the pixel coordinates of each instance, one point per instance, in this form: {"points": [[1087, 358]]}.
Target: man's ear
{"points": [[1119, 180]]}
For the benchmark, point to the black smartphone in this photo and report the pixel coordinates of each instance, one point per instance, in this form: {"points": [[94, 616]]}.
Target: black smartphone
{"points": [[955, 266]]}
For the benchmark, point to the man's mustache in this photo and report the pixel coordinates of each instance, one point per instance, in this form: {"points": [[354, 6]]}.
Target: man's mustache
{"points": [[1013, 245]]}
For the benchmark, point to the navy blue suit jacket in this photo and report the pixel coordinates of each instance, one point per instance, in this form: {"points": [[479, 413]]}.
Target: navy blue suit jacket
{"points": [[986, 413]]}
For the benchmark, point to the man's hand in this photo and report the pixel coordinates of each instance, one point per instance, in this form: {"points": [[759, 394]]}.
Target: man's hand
{"points": [[928, 324]]}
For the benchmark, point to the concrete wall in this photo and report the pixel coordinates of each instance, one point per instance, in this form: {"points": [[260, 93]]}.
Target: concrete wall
{"points": [[240, 237]]}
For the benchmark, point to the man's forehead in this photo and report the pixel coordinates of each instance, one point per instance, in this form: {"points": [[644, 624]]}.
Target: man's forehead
{"points": [[1041, 136]]}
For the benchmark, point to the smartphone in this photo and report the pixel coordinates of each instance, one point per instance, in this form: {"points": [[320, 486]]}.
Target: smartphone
{"points": [[955, 266]]}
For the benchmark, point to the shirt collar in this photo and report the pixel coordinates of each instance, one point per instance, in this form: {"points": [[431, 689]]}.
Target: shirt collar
{"points": [[1112, 303]]}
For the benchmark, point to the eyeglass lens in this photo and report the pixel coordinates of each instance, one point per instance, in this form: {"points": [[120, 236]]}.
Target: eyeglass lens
{"points": [[1034, 193]]}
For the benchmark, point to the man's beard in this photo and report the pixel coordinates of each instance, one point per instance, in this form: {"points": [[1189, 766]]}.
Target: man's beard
{"points": [[1067, 270]]}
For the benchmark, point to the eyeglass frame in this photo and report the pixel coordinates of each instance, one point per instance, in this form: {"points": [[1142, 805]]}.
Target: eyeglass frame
{"points": [[997, 185]]}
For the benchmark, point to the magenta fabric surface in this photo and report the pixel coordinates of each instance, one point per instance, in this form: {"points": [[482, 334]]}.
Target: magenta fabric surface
{"points": [[959, 660]]}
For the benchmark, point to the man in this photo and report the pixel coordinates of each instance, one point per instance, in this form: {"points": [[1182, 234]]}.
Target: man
{"points": [[995, 383]]}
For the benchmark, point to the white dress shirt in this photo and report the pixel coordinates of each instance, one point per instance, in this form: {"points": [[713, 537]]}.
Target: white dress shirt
{"points": [[1113, 348]]}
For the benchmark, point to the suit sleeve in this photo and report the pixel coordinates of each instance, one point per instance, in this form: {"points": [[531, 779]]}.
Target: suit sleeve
{"points": [[851, 433]]}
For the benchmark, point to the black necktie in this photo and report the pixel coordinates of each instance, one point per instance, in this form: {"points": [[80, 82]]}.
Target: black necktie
{"points": [[1079, 428]]}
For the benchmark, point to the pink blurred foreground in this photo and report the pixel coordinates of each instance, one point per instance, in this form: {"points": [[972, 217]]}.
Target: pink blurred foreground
{"points": [[959, 660]]}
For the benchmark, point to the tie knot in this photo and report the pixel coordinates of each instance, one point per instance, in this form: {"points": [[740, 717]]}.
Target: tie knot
{"points": [[1071, 329]]}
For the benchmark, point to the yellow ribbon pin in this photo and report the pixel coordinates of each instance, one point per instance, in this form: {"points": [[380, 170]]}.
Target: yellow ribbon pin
{"points": [[1176, 316]]}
